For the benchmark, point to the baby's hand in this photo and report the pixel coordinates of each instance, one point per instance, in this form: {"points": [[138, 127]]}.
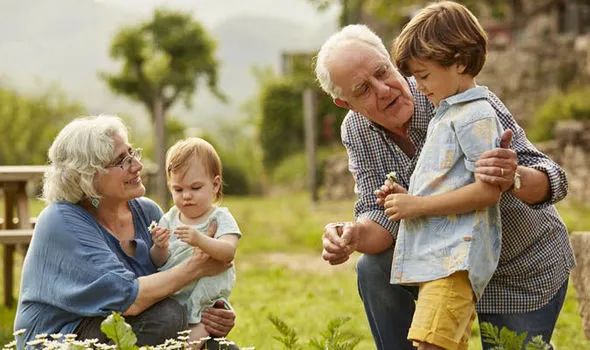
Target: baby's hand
{"points": [[160, 237], [187, 235]]}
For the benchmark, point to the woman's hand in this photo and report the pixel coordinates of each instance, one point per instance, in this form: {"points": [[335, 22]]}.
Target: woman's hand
{"points": [[218, 321], [200, 265]]}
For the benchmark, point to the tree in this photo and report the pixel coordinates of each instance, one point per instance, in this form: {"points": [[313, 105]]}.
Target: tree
{"points": [[30, 123], [163, 61]]}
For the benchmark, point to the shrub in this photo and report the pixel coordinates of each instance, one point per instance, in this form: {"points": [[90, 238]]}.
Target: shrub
{"points": [[572, 105]]}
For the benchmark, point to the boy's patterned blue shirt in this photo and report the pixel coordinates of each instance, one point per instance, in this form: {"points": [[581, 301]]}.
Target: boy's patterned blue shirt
{"points": [[536, 255], [432, 247]]}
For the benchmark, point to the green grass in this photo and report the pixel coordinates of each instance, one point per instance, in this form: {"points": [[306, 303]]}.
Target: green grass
{"points": [[280, 273]]}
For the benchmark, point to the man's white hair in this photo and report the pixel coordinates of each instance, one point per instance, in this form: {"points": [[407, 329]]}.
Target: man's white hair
{"points": [[81, 149], [353, 32]]}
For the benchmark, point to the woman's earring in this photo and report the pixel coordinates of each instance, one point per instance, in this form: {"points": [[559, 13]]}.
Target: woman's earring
{"points": [[95, 202]]}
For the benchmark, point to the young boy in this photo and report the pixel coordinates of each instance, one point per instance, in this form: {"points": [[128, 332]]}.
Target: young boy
{"points": [[449, 237]]}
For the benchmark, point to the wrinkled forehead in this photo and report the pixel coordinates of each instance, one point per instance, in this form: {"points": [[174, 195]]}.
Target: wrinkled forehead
{"points": [[353, 62]]}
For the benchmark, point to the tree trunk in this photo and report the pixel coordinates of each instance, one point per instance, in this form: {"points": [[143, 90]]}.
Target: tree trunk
{"points": [[158, 117]]}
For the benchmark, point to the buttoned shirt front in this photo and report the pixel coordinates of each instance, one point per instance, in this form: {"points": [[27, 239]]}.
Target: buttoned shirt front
{"points": [[536, 255], [432, 247]]}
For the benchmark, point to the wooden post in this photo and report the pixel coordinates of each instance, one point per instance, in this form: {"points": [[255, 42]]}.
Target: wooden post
{"points": [[10, 194], [309, 120]]}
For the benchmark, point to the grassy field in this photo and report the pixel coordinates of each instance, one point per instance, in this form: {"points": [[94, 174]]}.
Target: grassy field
{"points": [[280, 273]]}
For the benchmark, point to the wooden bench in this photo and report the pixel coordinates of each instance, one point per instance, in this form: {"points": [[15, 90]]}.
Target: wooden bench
{"points": [[10, 238]]}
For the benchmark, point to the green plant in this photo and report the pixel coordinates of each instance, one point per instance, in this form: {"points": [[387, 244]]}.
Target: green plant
{"points": [[118, 331], [571, 105], [505, 339], [333, 338]]}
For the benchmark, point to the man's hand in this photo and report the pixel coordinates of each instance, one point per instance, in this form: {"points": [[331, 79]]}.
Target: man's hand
{"points": [[402, 206], [339, 241], [498, 166]]}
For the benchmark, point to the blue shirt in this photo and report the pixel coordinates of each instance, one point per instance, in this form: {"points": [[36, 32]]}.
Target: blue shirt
{"points": [[431, 247], [536, 255], [74, 268]]}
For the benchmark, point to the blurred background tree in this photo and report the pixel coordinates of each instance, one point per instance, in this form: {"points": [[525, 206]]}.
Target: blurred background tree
{"points": [[163, 61], [30, 123]]}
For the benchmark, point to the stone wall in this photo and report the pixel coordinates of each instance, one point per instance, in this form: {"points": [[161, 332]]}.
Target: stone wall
{"points": [[571, 150]]}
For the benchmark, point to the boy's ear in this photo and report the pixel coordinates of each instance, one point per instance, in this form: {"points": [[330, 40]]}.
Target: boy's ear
{"points": [[341, 103], [461, 68]]}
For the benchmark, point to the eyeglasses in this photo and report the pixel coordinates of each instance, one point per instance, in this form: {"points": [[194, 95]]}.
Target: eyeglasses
{"points": [[126, 162]]}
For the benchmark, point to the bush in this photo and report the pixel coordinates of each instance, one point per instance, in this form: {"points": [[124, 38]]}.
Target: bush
{"points": [[572, 105]]}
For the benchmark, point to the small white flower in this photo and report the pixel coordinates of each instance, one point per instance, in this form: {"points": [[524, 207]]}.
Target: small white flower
{"points": [[19, 332], [41, 336], [183, 337], [152, 225], [56, 336], [71, 336], [35, 342]]}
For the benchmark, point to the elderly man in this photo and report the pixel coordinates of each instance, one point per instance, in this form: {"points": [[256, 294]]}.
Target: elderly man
{"points": [[384, 131]]}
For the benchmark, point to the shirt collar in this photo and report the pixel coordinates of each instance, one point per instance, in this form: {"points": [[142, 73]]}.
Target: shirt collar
{"points": [[475, 93]]}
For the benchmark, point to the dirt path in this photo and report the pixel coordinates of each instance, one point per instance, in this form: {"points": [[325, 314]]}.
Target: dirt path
{"points": [[298, 262]]}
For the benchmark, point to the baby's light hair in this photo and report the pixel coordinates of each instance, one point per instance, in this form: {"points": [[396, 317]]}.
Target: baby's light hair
{"points": [[445, 32], [194, 149]]}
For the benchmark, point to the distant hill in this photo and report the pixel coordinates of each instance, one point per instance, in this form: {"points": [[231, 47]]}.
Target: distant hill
{"points": [[66, 42]]}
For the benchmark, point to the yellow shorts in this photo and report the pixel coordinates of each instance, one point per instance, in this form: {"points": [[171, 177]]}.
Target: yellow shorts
{"points": [[444, 312]]}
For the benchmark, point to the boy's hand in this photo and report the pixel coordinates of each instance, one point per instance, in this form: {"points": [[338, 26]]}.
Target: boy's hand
{"points": [[188, 235], [402, 206], [388, 188], [160, 237]]}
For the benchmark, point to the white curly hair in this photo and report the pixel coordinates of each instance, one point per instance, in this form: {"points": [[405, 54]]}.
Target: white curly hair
{"points": [[81, 149], [352, 32]]}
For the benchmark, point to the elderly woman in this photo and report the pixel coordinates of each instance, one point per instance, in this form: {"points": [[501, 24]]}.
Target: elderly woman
{"points": [[90, 253]]}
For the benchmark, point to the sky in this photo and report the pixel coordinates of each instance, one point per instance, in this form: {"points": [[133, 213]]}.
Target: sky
{"points": [[65, 43]]}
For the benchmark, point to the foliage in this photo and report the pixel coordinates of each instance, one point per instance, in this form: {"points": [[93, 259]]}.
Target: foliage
{"points": [[332, 338], [175, 130], [505, 339], [242, 159], [163, 59], [280, 271], [571, 105], [119, 331], [288, 336], [281, 127], [30, 123]]}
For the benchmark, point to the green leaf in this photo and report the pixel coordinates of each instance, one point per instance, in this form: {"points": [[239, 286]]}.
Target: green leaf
{"points": [[537, 343], [120, 332], [288, 336]]}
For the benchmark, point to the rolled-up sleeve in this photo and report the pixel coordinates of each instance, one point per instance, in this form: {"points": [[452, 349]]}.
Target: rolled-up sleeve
{"points": [[529, 156], [70, 266], [367, 179]]}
